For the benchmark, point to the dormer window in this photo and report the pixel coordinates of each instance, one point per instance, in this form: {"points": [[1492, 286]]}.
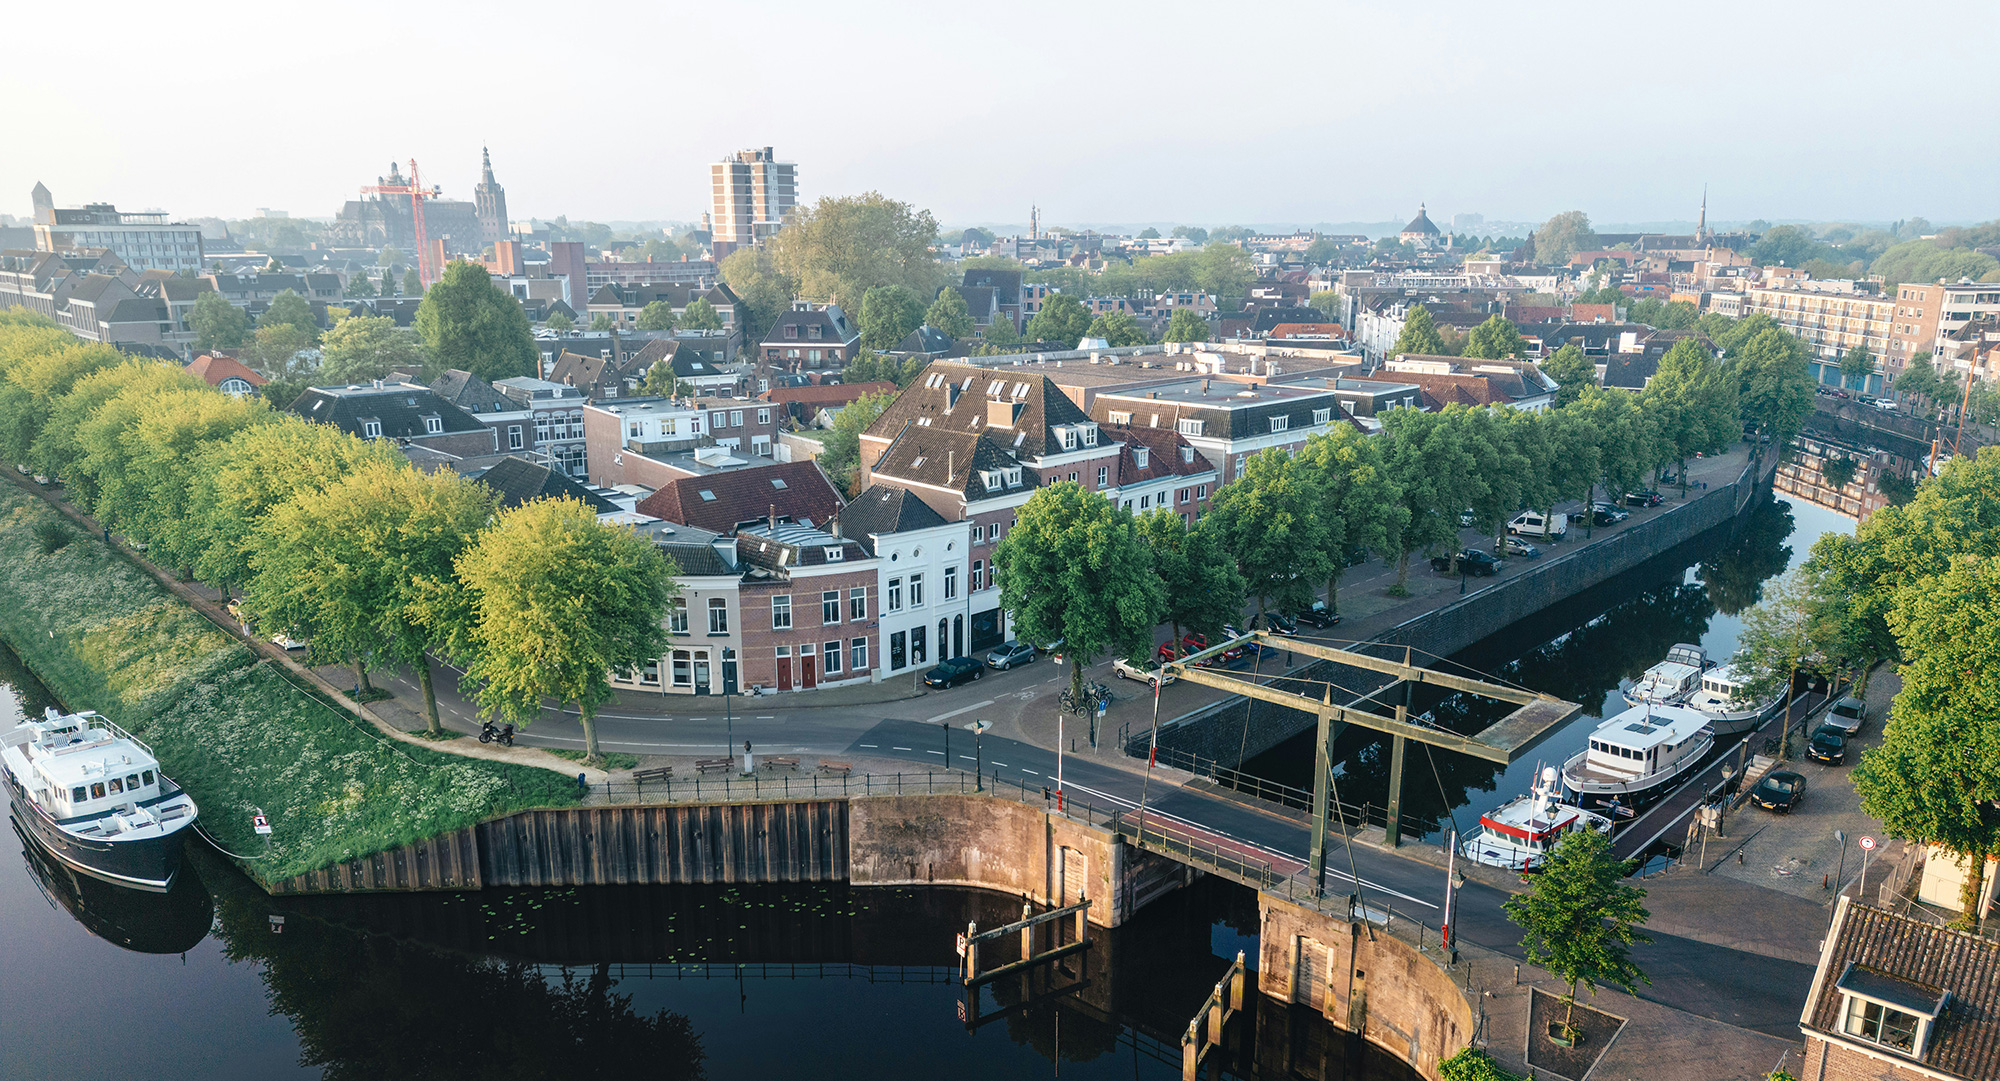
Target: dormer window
{"points": [[991, 478], [1279, 424], [1141, 455], [433, 425], [1189, 427], [791, 331], [371, 429], [1882, 1009], [1014, 477], [1090, 435], [835, 555], [1069, 438], [1187, 455]]}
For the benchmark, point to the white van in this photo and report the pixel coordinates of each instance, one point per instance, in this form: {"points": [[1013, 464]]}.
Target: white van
{"points": [[1533, 523]]}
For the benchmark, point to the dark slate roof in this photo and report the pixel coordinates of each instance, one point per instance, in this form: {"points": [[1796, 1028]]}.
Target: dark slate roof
{"points": [[471, 393], [982, 301], [1166, 454], [521, 480], [1886, 950], [837, 329], [720, 502], [949, 460], [698, 560], [1268, 318], [926, 339], [950, 396], [1421, 224], [400, 407], [580, 370], [880, 511], [1005, 284]]}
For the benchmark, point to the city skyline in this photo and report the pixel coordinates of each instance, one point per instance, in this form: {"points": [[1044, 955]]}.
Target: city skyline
{"points": [[1464, 110]]}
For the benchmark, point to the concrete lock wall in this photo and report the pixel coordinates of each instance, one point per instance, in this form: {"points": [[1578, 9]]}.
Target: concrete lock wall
{"points": [[1365, 981], [1221, 732]]}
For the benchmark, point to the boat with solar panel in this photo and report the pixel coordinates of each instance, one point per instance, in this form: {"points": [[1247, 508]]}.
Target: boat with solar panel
{"points": [[1638, 755], [92, 795]]}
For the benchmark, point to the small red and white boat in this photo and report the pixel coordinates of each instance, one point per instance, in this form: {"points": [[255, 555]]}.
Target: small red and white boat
{"points": [[1520, 833]]}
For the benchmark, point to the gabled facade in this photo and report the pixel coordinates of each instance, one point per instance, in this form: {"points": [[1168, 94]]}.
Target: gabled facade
{"points": [[810, 339], [404, 412], [922, 564], [1900, 999]]}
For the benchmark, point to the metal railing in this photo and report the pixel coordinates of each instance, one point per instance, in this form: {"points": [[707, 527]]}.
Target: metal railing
{"points": [[1291, 796]]}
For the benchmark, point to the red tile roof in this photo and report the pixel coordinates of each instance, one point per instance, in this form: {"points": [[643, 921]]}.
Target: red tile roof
{"points": [[214, 368], [722, 501]]}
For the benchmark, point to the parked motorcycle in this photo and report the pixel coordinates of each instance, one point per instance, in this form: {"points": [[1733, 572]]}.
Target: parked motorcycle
{"points": [[488, 732]]}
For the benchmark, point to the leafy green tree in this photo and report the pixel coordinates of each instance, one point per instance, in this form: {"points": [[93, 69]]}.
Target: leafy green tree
{"points": [[1572, 371], [165, 445], [949, 314], [104, 476], [1838, 471], [1664, 314], [469, 324], [42, 370], [763, 292], [359, 285], [842, 456], [602, 322], [1437, 475], [701, 315], [1774, 389], [661, 382], [217, 324], [841, 247], [1186, 325], [391, 257], [355, 563], [1224, 270], [366, 347], [1419, 335], [1495, 339], [888, 312], [559, 323], [1694, 403], [1194, 233], [553, 603], [1927, 261], [1359, 506], [413, 285], [1622, 437], [1074, 568], [1063, 320], [1506, 479], [1001, 331], [1200, 584], [658, 315], [1149, 233], [1563, 236], [1119, 329], [1273, 520], [281, 351], [59, 449], [289, 308], [1580, 918], [1856, 365], [1327, 303]]}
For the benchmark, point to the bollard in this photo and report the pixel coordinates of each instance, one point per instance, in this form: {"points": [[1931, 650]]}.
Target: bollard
{"points": [[1027, 933], [1517, 975]]}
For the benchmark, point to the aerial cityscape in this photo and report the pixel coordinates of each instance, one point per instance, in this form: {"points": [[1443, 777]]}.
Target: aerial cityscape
{"points": [[1332, 585]]}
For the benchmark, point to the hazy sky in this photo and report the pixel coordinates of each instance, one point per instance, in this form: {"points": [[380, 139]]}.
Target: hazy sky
{"points": [[1098, 112]]}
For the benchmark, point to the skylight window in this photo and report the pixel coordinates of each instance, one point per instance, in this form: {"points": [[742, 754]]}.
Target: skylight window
{"points": [[777, 482], [707, 496]]}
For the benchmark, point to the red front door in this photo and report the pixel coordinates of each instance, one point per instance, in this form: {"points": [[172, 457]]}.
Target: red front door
{"points": [[784, 673], [806, 663]]}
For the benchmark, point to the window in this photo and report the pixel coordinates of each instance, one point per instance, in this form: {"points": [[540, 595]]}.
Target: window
{"points": [[1201, 491], [650, 674], [1182, 495], [950, 582], [1881, 1024], [1145, 501], [1188, 427], [1072, 478], [513, 437], [895, 595], [916, 591], [857, 603], [857, 659], [720, 419], [830, 657], [898, 654], [1069, 438], [979, 534], [763, 416], [677, 619], [781, 612], [683, 668], [1121, 418], [919, 653], [1140, 456], [792, 331], [1239, 465], [433, 425], [1090, 435], [97, 789], [829, 606], [634, 430], [1103, 475], [736, 418], [371, 429], [1322, 416], [718, 615], [834, 555], [978, 575], [76, 795]]}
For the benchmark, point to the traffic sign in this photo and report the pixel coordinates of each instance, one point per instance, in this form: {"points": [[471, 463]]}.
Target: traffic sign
{"points": [[961, 943], [261, 824], [1868, 843]]}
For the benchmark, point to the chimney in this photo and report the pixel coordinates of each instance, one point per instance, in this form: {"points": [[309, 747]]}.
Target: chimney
{"points": [[950, 464], [1204, 387], [774, 517]]}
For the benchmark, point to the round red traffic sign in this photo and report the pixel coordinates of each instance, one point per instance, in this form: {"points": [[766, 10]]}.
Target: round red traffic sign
{"points": [[1868, 842]]}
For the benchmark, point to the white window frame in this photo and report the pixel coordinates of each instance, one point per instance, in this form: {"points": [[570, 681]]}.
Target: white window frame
{"points": [[829, 607], [950, 583], [857, 604], [857, 660], [371, 429], [916, 590], [718, 616], [895, 601], [677, 616], [781, 611]]}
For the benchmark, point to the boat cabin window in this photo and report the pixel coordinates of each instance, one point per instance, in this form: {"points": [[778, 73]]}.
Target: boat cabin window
{"points": [[132, 783], [97, 790], [148, 778], [76, 795], [117, 786]]}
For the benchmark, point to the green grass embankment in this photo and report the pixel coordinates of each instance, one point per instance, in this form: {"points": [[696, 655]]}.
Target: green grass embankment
{"points": [[103, 634]]}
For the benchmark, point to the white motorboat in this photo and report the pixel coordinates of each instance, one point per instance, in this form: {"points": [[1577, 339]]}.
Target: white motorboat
{"points": [[1636, 755], [1520, 833], [93, 796], [1727, 705], [1669, 682]]}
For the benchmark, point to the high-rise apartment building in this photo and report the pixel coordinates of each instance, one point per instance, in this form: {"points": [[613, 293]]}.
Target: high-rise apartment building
{"points": [[143, 241], [751, 192], [489, 202]]}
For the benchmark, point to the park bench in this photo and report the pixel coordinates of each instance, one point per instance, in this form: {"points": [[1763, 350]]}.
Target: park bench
{"points": [[658, 773], [714, 765], [836, 767], [780, 762]]}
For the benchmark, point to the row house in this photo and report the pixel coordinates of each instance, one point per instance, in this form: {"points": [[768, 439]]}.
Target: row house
{"points": [[923, 567], [704, 622], [1225, 420], [1159, 469], [527, 415], [1931, 317], [810, 339], [636, 440], [624, 303], [1900, 998], [809, 616], [410, 414]]}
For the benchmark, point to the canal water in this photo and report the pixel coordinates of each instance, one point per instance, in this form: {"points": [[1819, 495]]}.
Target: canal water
{"points": [[658, 982], [1582, 650]]}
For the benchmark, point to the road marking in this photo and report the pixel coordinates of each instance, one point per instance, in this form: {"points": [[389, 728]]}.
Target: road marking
{"points": [[899, 748], [968, 758], [870, 746], [1030, 772], [940, 754], [697, 718], [1003, 765], [942, 717], [766, 717]]}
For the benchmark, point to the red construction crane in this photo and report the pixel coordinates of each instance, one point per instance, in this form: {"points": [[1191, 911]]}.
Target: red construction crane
{"points": [[427, 270]]}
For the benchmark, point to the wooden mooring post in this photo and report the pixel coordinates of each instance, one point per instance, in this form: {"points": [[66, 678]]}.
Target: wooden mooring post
{"points": [[1025, 927], [1205, 1030]]}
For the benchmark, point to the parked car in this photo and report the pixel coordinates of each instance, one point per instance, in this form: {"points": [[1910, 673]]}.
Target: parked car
{"points": [[1231, 630], [1167, 653], [1280, 623], [1533, 523], [1010, 653], [1125, 669], [1473, 561], [1647, 498], [1195, 643], [1316, 615], [1827, 745], [1847, 715], [1515, 546], [1466, 518], [1779, 791], [287, 643], [953, 672]]}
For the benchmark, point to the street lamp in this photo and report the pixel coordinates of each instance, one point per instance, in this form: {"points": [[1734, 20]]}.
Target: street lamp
{"points": [[978, 729], [1453, 882]]}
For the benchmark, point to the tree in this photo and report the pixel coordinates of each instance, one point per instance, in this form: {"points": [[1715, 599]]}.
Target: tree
{"points": [[1120, 329], [1838, 471], [1074, 568], [1199, 582], [355, 563], [289, 308], [1927, 261], [1272, 519], [1563, 236], [602, 322], [1419, 335], [164, 444], [553, 603], [1063, 320], [1328, 303], [1856, 365], [217, 324], [661, 381], [888, 312], [413, 285], [1495, 339], [1149, 233], [359, 285], [1001, 330], [1437, 477], [658, 315], [390, 257], [1581, 919], [1693, 402], [1774, 389], [60, 449], [841, 247], [469, 324], [1572, 371], [763, 293], [842, 455], [701, 315], [1224, 270], [1355, 493], [368, 347], [1194, 233], [949, 314], [1186, 325], [282, 351], [559, 323]]}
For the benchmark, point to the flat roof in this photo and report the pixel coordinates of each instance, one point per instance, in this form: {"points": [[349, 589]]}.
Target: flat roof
{"points": [[1220, 393]]}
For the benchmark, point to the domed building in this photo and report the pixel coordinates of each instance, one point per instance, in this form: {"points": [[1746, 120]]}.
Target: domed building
{"points": [[1421, 234]]}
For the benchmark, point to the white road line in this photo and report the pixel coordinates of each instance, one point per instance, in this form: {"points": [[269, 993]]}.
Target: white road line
{"points": [[1003, 765], [1026, 770], [899, 748], [962, 709], [870, 746], [766, 717], [968, 758], [940, 754]]}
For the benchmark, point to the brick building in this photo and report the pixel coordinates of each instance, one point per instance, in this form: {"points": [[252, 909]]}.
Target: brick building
{"points": [[1899, 999]]}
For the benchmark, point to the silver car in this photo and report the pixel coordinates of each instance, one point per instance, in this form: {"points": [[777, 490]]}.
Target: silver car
{"points": [[1009, 654]]}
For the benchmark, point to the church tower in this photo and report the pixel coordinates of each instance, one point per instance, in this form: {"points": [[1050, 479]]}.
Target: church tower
{"points": [[1701, 224], [45, 204], [489, 201]]}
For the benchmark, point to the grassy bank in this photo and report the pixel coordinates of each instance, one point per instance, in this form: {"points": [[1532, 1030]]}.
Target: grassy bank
{"points": [[104, 635]]}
